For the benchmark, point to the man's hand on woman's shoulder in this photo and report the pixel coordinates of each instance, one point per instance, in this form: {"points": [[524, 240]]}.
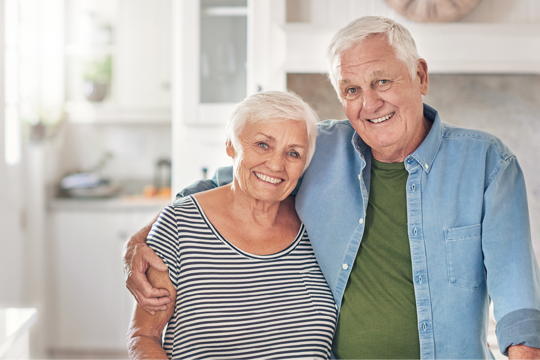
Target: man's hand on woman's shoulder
{"points": [[138, 257]]}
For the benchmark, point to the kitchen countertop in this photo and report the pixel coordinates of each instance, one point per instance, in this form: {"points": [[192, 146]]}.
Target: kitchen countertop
{"points": [[128, 198], [14, 323]]}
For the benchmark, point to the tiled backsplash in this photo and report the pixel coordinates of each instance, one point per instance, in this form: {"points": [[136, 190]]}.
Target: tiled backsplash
{"points": [[507, 106], [134, 149]]}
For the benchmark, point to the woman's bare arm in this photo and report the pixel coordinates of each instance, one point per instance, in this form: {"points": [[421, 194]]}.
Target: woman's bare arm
{"points": [[145, 330]]}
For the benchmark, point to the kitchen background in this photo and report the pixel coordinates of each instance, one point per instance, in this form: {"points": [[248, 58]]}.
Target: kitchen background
{"points": [[111, 106]]}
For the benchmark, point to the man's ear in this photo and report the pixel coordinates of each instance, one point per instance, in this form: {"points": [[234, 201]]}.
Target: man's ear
{"points": [[230, 149], [422, 73]]}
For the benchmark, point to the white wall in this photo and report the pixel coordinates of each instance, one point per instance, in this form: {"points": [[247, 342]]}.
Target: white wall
{"points": [[10, 234]]}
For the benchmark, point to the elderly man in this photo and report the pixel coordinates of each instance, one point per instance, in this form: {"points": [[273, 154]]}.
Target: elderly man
{"points": [[416, 224]]}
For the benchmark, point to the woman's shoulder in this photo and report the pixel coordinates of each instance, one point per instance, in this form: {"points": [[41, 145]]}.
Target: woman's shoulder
{"points": [[185, 206]]}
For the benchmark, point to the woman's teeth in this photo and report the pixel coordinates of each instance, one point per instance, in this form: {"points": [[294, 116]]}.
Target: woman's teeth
{"points": [[268, 178], [381, 119]]}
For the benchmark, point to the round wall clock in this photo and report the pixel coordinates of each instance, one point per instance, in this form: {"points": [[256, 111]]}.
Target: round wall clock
{"points": [[433, 10]]}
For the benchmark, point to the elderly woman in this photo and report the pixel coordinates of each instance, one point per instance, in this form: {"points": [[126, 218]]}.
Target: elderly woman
{"points": [[242, 274]]}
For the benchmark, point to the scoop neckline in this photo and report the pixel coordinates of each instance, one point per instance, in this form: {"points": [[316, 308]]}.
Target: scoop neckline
{"points": [[235, 248]]}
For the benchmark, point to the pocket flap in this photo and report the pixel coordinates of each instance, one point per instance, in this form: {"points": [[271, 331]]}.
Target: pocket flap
{"points": [[463, 232]]}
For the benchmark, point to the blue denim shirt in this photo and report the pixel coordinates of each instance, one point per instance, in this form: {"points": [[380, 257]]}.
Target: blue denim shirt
{"points": [[468, 227]]}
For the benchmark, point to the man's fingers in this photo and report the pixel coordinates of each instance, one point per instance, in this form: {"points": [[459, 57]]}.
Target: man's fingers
{"points": [[153, 260], [147, 290], [154, 303], [155, 293]]}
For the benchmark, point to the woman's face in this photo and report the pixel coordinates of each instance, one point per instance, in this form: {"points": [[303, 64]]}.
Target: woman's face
{"points": [[271, 159]]}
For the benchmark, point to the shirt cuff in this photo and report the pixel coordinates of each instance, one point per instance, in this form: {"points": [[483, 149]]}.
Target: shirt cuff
{"points": [[520, 327]]}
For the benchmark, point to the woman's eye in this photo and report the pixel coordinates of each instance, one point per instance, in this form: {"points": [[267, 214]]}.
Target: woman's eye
{"points": [[263, 145], [294, 154], [351, 90]]}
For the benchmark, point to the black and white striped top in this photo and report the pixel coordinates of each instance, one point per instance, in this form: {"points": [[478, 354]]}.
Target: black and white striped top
{"points": [[234, 305]]}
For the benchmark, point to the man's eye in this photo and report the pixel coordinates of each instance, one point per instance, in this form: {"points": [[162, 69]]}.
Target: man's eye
{"points": [[263, 145], [352, 93]]}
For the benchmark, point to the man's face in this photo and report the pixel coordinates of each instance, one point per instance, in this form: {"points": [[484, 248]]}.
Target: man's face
{"points": [[382, 102]]}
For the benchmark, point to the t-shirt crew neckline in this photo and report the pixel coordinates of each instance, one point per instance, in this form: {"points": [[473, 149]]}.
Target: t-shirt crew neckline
{"points": [[233, 247], [387, 166]]}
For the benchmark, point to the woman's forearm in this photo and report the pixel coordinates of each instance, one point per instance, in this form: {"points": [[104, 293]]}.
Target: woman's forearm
{"points": [[145, 347], [145, 330]]}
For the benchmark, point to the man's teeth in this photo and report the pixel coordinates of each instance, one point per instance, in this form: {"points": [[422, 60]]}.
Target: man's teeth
{"points": [[268, 178], [381, 119]]}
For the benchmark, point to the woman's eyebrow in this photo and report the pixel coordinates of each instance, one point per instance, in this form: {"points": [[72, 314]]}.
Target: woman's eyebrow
{"points": [[267, 136], [274, 139]]}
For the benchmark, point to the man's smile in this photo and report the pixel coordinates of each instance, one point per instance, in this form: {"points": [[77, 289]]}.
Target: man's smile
{"points": [[381, 119]]}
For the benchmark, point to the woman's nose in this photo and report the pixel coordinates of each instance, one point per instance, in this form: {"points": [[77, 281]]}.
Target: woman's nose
{"points": [[275, 162]]}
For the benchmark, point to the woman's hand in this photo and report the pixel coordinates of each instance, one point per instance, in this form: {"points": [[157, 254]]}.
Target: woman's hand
{"points": [[138, 258], [145, 330]]}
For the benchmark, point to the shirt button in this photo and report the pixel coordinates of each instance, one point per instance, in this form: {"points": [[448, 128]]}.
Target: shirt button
{"points": [[361, 221], [415, 232], [420, 279], [359, 176], [424, 326], [427, 166], [345, 266], [413, 187]]}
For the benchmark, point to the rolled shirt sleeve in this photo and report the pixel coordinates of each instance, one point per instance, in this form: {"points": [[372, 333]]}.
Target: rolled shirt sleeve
{"points": [[512, 273]]}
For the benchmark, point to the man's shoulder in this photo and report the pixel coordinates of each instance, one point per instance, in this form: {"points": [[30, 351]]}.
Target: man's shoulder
{"points": [[335, 128], [454, 132], [335, 125]]}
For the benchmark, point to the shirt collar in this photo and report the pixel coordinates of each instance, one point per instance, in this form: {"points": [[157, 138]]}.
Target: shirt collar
{"points": [[426, 152]]}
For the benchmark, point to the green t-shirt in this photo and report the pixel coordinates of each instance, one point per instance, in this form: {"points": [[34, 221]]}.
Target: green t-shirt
{"points": [[378, 312]]}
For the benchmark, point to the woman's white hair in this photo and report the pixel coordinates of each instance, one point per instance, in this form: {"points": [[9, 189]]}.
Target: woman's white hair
{"points": [[268, 107], [356, 31]]}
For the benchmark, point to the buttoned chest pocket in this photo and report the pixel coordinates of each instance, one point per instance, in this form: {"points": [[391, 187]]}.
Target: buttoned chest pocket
{"points": [[464, 256]]}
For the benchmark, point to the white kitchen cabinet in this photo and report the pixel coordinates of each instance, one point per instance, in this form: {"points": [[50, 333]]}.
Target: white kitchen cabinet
{"points": [[92, 306], [143, 68], [223, 51]]}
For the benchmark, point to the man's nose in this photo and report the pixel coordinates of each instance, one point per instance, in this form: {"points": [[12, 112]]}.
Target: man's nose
{"points": [[371, 101]]}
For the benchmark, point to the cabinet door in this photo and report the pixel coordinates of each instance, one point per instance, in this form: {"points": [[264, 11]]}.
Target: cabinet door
{"points": [[143, 67], [92, 305]]}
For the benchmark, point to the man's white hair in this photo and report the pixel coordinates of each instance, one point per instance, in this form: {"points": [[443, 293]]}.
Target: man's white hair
{"points": [[398, 37], [268, 107]]}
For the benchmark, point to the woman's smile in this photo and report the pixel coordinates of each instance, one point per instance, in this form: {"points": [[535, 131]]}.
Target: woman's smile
{"points": [[267, 178]]}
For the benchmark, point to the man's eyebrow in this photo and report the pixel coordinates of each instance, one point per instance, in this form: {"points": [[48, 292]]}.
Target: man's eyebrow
{"points": [[378, 73]]}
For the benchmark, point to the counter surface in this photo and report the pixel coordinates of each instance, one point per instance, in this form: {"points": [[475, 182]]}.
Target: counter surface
{"points": [[14, 325]]}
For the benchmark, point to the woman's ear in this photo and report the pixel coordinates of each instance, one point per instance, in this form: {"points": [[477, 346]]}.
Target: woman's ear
{"points": [[230, 149]]}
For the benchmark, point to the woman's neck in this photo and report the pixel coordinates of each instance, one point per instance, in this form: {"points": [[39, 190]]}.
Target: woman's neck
{"points": [[248, 208]]}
